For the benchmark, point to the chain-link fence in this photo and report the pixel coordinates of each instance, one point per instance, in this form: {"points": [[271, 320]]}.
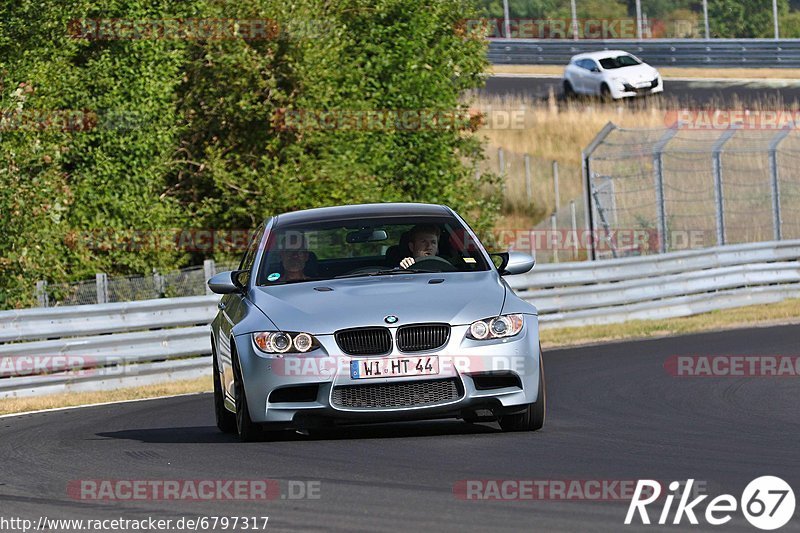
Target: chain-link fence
{"points": [[106, 289], [669, 189]]}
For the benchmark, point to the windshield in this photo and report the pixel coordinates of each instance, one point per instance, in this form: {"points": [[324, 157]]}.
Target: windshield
{"points": [[368, 247], [610, 63]]}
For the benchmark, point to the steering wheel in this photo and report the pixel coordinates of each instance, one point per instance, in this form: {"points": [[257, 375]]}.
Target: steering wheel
{"points": [[434, 263]]}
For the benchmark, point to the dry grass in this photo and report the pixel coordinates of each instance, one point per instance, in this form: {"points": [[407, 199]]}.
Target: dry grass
{"points": [[667, 72], [36, 403], [551, 131], [786, 312]]}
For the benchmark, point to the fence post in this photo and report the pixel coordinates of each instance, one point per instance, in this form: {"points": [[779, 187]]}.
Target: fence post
{"points": [[101, 281], [574, 229], [209, 270], [528, 190], [555, 184], [587, 184], [716, 165], [776, 190], [501, 165], [554, 240], [158, 283], [42, 297], [658, 174]]}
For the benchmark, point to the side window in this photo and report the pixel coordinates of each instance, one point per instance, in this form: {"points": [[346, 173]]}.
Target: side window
{"points": [[250, 254]]}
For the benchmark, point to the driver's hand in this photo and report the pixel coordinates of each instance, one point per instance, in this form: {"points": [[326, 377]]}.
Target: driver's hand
{"points": [[407, 262]]}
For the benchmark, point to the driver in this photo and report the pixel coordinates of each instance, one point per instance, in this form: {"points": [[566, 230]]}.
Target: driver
{"points": [[423, 241]]}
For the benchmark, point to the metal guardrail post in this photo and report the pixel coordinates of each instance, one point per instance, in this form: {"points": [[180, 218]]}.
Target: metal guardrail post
{"points": [[658, 174], [101, 281], [209, 270], [776, 190], [719, 198], [42, 298], [555, 237]]}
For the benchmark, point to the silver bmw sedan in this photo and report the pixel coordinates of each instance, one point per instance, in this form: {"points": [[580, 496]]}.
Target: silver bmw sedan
{"points": [[373, 313]]}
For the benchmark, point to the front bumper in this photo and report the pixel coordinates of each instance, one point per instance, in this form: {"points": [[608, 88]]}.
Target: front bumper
{"points": [[469, 364], [626, 90]]}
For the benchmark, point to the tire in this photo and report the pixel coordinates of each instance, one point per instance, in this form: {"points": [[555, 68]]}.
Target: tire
{"points": [[246, 429], [569, 92], [226, 421], [532, 419], [605, 93]]}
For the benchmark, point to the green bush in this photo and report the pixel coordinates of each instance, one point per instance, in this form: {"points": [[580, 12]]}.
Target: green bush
{"points": [[189, 133]]}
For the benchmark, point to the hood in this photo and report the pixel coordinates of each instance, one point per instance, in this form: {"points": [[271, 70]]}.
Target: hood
{"points": [[460, 299], [635, 74]]}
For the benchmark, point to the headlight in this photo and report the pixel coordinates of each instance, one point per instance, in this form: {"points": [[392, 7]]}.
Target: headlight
{"points": [[496, 327], [280, 342]]}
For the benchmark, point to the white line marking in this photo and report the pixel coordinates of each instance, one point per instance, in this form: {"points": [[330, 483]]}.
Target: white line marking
{"points": [[70, 407]]}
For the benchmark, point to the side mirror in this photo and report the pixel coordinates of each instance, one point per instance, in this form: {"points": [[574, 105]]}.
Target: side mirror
{"points": [[518, 263], [595, 69], [225, 282]]}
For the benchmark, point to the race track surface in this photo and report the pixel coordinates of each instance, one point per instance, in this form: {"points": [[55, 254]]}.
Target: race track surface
{"points": [[773, 94], [615, 413]]}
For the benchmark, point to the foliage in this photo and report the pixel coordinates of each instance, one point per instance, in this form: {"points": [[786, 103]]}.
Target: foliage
{"points": [[183, 132]]}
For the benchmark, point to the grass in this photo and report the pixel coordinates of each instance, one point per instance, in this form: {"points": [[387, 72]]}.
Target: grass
{"points": [[786, 312], [36, 403], [757, 315], [667, 72], [550, 131]]}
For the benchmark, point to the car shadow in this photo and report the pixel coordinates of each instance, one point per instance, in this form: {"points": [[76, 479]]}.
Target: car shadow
{"points": [[211, 435]]}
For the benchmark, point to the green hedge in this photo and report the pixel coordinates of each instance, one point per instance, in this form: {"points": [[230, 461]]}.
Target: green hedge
{"points": [[187, 133]]}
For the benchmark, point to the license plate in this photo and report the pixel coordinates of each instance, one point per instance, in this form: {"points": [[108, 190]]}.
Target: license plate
{"points": [[643, 85], [394, 367]]}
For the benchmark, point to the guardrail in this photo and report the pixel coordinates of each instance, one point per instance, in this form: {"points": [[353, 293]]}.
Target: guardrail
{"points": [[92, 347], [763, 53]]}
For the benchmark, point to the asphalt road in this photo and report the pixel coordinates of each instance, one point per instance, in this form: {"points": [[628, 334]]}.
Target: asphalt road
{"points": [[614, 414], [767, 93]]}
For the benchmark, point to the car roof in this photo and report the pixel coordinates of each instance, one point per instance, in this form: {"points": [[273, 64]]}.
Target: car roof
{"points": [[601, 54], [323, 214]]}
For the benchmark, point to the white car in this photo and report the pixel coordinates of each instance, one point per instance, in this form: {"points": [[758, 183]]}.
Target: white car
{"points": [[610, 74]]}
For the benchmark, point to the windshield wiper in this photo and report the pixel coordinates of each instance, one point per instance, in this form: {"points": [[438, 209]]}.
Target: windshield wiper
{"points": [[387, 272]]}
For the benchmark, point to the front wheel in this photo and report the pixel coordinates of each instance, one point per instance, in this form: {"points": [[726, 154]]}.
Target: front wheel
{"points": [[226, 421], [247, 430], [605, 93], [569, 91], [532, 419]]}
